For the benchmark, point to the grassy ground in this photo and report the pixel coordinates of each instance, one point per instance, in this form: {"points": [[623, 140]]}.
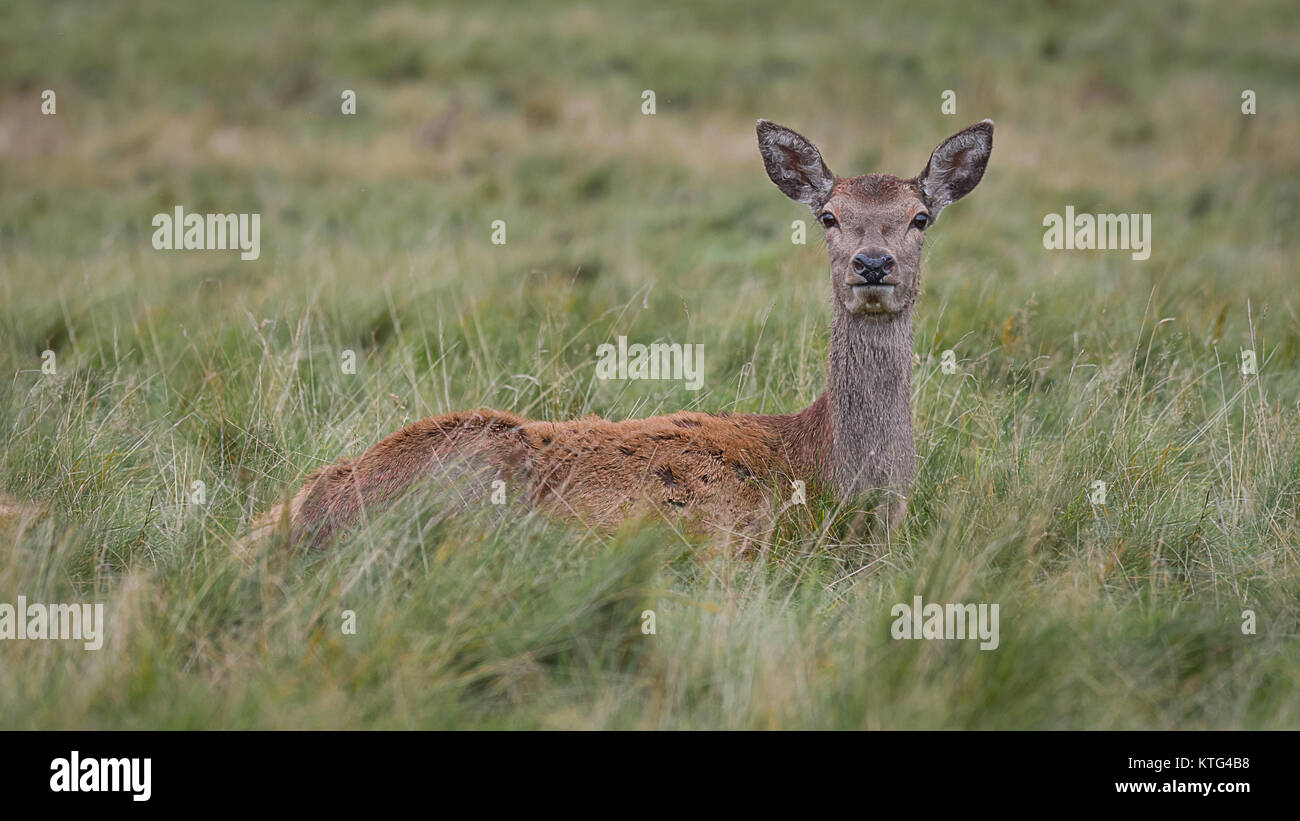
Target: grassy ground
{"points": [[1074, 366]]}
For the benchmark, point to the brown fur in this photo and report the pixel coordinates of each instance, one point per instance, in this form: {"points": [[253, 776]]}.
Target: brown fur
{"points": [[717, 472]]}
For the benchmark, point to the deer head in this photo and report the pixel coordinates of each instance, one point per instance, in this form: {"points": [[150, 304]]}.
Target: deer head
{"points": [[875, 224]]}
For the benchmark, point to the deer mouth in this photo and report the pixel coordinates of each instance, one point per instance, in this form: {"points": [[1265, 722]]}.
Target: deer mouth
{"points": [[871, 298], [873, 295]]}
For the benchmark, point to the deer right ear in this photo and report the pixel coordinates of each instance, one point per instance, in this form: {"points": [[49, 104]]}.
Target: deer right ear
{"points": [[956, 166], [794, 164]]}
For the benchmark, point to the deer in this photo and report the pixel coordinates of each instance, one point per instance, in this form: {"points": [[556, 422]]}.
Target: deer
{"points": [[720, 473]]}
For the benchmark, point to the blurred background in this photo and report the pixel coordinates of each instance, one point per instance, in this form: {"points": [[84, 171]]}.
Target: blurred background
{"points": [[531, 113]]}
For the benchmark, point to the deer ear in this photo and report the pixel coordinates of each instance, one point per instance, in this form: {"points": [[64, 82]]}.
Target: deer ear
{"points": [[956, 166], [794, 164]]}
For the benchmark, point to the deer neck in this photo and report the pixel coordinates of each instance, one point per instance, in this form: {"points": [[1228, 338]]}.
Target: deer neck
{"points": [[869, 402]]}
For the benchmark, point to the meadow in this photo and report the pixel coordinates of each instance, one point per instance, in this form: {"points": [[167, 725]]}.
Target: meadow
{"points": [[1073, 367]]}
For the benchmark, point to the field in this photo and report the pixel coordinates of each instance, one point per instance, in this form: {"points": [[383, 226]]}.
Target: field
{"points": [[1073, 367]]}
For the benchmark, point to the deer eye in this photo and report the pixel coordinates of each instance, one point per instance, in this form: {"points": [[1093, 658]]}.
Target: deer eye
{"points": [[827, 219], [921, 220]]}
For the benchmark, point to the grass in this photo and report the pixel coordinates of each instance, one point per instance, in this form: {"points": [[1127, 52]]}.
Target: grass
{"points": [[1074, 366]]}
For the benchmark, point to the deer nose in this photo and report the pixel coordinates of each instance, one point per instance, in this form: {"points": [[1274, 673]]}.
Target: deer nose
{"points": [[873, 266]]}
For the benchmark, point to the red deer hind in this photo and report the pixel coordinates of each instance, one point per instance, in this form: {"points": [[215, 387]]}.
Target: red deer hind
{"points": [[721, 472]]}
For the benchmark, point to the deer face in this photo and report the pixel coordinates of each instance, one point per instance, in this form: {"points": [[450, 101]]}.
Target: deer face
{"points": [[875, 224]]}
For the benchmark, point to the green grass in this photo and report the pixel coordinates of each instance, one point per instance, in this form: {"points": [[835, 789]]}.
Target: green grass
{"points": [[1075, 367]]}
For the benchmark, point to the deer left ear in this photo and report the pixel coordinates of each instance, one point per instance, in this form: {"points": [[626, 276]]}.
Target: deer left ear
{"points": [[956, 166], [794, 164]]}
